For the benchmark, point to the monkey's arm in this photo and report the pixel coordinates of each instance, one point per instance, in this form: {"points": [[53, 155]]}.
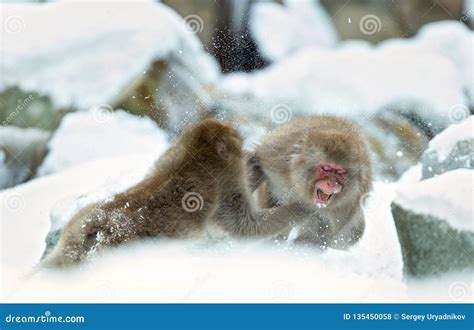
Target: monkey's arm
{"points": [[236, 213], [351, 232], [323, 234], [256, 175]]}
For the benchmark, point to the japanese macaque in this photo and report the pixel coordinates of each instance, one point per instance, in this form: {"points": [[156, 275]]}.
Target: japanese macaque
{"points": [[191, 186], [323, 163]]}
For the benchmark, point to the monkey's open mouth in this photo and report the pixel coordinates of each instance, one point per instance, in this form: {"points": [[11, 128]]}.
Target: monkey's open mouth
{"points": [[322, 197]]}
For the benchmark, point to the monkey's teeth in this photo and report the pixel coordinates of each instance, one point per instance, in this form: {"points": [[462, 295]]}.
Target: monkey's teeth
{"points": [[322, 196]]}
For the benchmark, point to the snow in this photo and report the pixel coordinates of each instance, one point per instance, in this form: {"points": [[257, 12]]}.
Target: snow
{"points": [[355, 81], [280, 30], [444, 142], [85, 53], [187, 271], [430, 73], [448, 196], [450, 39], [101, 133]]}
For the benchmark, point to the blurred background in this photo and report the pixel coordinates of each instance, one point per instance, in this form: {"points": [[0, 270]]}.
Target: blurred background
{"points": [[401, 68], [88, 86]]}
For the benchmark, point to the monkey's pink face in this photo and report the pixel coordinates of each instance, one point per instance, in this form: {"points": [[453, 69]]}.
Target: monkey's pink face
{"points": [[330, 180]]}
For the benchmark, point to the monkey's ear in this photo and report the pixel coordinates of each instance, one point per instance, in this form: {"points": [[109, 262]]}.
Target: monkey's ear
{"points": [[222, 151]]}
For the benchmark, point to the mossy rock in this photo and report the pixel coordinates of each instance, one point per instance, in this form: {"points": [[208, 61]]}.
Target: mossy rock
{"points": [[28, 109]]}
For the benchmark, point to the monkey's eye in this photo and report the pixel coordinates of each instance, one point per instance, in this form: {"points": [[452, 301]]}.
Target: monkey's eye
{"points": [[341, 172], [326, 168]]}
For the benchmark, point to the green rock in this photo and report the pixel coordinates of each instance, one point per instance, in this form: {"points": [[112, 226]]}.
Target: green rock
{"points": [[28, 109]]}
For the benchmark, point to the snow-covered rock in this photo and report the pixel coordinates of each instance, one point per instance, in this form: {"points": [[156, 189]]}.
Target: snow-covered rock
{"points": [[101, 133], [448, 196], [435, 223], [259, 271], [450, 150], [354, 82], [280, 30], [433, 208], [65, 50], [450, 39], [357, 79], [21, 152]]}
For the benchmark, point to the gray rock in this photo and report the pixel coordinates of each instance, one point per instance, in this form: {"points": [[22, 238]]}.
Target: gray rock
{"points": [[51, 240], [430, 246], [21, 152], [461, 156]]}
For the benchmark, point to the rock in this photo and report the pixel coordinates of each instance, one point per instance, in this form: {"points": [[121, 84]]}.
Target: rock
{"points": [[434, 221], [110, 133], [430, 245], [21, 152], [450, 150], [51, 240], [160, 70], [27, 109], [433, 211]]}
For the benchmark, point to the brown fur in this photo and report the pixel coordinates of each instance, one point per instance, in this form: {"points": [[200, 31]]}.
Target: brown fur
{"points": [[285, 163], [197, 164]]}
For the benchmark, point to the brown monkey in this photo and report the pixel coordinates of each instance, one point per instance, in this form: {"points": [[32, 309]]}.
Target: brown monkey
{"points": [[322, 162], [177, 199]]}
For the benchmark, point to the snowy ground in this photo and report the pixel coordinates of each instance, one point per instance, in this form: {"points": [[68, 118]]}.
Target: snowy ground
{"points": [[432, 71], [209, 270]]}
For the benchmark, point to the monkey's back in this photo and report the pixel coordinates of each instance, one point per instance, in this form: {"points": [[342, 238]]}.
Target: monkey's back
{"points": [[174, 200]]}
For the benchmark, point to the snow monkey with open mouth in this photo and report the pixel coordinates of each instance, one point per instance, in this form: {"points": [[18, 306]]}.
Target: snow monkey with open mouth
{"points": [[322, 162]]}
